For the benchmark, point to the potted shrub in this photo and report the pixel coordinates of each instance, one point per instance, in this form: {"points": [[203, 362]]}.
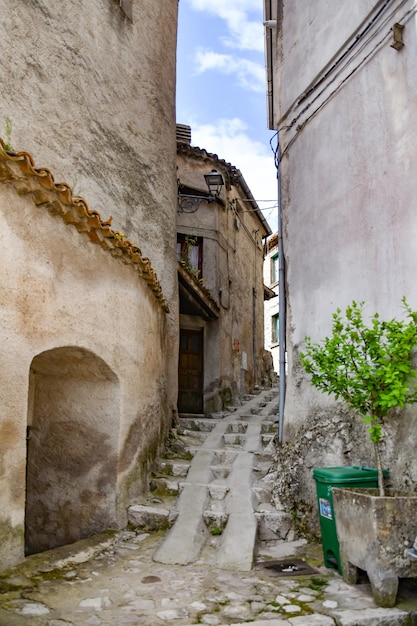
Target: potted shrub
{"points": [[369, 366]]}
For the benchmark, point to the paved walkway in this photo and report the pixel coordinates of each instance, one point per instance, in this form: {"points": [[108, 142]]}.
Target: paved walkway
{"points": [[213, 566]]}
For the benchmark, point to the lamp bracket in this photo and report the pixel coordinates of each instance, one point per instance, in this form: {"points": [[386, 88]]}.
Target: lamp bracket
{"points": [[190, 204]]}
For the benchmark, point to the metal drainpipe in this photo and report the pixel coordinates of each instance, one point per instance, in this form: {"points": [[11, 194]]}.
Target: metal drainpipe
{"points": [[282, 304], [254, 347], [254, 316]]}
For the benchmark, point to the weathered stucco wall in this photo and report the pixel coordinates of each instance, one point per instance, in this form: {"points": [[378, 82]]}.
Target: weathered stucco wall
{"points": [[78, 329], [233, 274], [348, 191], [91, 93]]}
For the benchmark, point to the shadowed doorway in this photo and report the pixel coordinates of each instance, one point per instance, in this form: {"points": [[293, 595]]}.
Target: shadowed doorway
{"points": [[190, 371], [73, 429]]}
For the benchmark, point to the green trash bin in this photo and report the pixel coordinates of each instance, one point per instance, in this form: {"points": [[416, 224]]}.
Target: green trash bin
{"points": [[326, 478]]}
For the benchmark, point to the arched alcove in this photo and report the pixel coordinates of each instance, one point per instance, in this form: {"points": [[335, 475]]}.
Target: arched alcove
{"points": [[73, 427]]}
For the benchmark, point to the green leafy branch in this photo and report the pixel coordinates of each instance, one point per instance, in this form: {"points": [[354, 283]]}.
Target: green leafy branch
{"points": [[367, 366], [8, 133]]}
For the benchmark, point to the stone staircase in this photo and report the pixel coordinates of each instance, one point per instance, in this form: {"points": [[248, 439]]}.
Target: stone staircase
{"points": [[215, 491]]}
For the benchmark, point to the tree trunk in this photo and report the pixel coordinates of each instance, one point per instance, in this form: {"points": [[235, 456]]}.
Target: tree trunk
{"points": [[381, 486]]}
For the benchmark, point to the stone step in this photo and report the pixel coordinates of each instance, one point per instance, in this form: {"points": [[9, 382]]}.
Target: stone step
{"points": [[232, 439], [265, 454], [162, 486], [151, 517], [196, 436], [218, 489], [231, 409], [247, 397], [194, 424], [237, 427], [272, 524], [173, 467], [215, 517], [269, 427], [220, 470]]}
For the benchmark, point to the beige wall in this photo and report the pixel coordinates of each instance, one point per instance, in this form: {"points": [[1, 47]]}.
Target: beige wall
{"points": [[91, 95], [78, 328]]}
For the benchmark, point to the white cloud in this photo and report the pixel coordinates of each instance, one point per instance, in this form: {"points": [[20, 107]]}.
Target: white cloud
{"points": [[249, 75], [230, 141], [245, 34]]}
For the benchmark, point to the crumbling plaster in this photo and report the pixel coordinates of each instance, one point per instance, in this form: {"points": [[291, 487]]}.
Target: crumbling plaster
{"points": [[59, 290], [91, 94]]}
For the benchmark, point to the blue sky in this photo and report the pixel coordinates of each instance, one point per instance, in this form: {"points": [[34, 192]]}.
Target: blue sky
{"points": [[221, 89]]}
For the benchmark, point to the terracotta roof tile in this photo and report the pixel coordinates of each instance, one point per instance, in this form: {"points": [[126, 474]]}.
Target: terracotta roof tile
{"points": [[19, 169], [233, 175], [197, 285]]}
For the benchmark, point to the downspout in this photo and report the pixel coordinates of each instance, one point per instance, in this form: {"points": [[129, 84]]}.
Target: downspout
{"points": [[254, 347], [282, 303], [254, 316]]}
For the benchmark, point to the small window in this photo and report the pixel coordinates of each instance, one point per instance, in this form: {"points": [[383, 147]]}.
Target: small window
{"points": [[275, 328], [190, 250], [274, 269]]}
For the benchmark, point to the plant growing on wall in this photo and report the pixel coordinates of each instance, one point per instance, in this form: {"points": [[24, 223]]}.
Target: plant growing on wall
{"points": [[368, 366], [189, 243], [8, 133]]}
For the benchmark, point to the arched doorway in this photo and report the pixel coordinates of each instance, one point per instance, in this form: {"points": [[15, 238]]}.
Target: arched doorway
{"points": [[73, 428]]}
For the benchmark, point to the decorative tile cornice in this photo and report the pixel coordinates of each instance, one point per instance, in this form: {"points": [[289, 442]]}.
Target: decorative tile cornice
{"points": [[18, 169]]}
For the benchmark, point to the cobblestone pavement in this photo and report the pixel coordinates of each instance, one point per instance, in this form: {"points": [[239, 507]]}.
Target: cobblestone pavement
{"points": [[111, 579], [215, 566]]}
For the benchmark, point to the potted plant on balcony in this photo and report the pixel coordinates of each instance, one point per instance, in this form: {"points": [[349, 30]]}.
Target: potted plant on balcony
{"points": [[369, 366]]}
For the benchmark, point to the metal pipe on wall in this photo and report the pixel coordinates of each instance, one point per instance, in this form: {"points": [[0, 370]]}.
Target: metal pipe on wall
{"points": [[282, 302]]}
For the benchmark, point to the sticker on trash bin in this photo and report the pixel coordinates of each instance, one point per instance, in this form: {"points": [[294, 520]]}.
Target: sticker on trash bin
{"points": [[325, 508]]}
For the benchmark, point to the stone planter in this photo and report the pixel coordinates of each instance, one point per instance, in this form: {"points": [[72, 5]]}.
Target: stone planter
{"points": [[375, 535]]}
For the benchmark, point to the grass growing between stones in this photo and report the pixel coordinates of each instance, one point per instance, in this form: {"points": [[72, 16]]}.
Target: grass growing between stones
{"points": [[318, 584]]}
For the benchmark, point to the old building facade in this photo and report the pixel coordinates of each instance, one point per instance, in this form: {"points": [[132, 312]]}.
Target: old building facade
{"points": [[341, 94], [220, 249], [90, 304], [271, 282]]}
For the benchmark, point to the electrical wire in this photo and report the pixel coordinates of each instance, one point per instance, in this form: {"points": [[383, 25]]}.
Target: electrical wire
{"points": [[318, 80], [352, 59], [406, 17], [345, 54]]}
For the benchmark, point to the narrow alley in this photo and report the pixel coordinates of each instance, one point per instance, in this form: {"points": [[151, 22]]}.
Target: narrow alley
{"points": [[229, 557]]}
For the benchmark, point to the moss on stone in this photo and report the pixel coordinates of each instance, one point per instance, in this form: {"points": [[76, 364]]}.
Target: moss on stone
{"points": [[12, 540]]}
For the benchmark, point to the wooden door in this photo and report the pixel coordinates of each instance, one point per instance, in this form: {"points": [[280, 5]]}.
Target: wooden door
{"points": [[190, 372]]}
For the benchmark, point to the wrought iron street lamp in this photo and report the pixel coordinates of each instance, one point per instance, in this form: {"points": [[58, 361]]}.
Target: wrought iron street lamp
{"points": [[188, 203]]}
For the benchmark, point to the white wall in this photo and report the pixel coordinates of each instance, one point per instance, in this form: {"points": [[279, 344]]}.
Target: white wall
{"points": [[60, 291], [271, 308], [91, 95], [348, 183]]}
